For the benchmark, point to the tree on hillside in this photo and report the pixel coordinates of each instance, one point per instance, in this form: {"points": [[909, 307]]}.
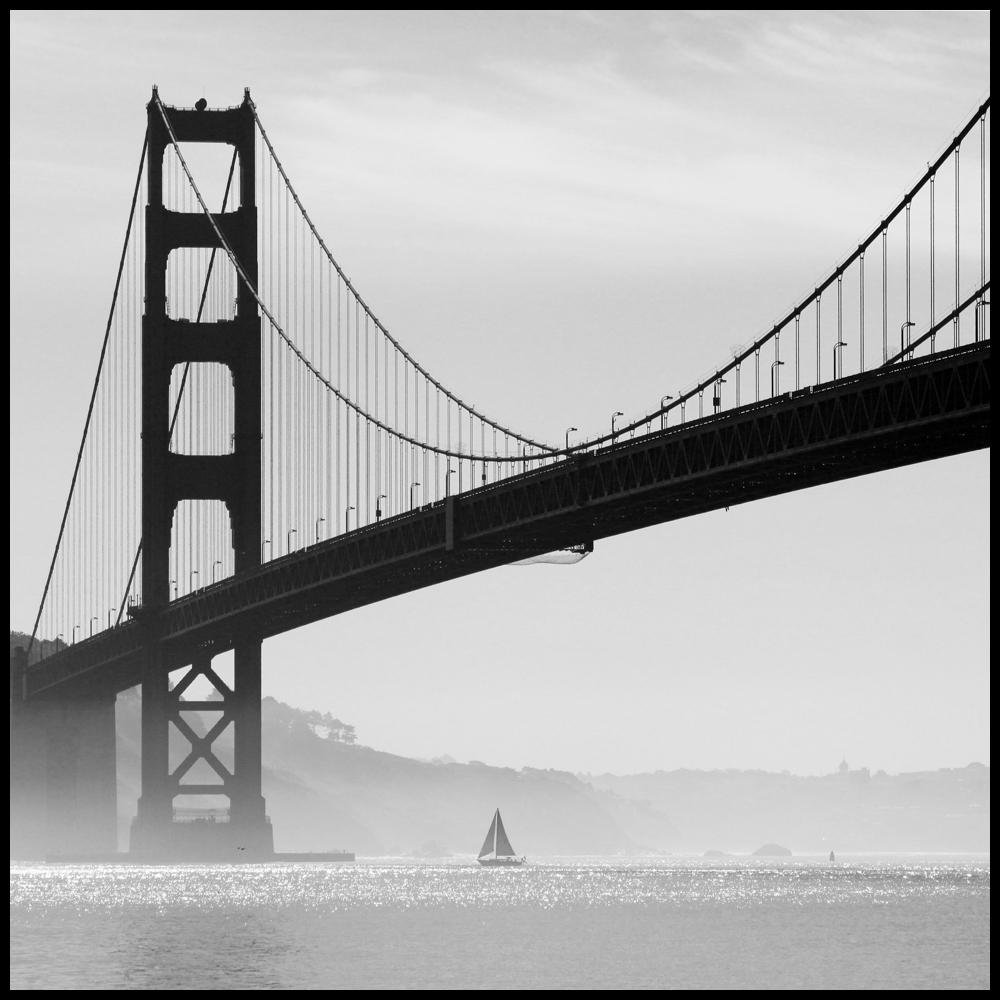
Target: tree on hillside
{"points": [[41, 647], [321, 724]]}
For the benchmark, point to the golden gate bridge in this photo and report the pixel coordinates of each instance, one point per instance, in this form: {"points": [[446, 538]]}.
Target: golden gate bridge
{"points": [[260, 452]]}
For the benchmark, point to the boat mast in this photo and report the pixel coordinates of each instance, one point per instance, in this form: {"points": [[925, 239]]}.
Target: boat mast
{"points": [[496, 828]]}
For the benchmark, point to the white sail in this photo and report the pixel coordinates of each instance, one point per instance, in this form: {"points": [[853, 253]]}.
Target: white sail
{"points": [[503, 848], [489, 844]]}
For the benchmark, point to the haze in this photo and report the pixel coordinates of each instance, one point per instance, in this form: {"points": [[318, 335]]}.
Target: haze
{"points": [[562, 215]]}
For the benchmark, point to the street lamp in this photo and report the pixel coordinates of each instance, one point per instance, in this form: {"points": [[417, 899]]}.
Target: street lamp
{"points": [[568, 430], [981, 308], [902, 335], [717, 395], [218, 562], [840, 343], [111, 611], [75, 627], [775, 378], [319, 521], [378, 506], [266, 541], [663, 415], [447, 481], [617, 413], [92, 620], [347, 519], [174, 582], [288, 539], [191, 577], [411, 494]]}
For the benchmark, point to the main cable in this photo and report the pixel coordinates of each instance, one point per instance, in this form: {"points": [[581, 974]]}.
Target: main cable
{"points": [[93, 394], [364, 305], [272, 319], [180, 391]]}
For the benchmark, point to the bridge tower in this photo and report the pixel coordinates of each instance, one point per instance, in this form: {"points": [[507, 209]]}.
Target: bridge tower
{"points": [[170, 477]]}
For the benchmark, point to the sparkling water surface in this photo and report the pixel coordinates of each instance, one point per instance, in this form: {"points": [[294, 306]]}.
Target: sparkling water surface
{"points": [[579, 923]]}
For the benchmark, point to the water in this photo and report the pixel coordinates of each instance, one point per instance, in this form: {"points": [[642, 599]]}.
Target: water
{"points": [[567, 923]]}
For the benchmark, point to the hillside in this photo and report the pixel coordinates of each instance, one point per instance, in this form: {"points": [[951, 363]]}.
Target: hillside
{"points": [[852, 810], [322, 792]]}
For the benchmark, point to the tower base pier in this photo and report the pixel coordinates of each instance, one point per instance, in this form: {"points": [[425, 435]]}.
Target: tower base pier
{"points": [[201, 840]]}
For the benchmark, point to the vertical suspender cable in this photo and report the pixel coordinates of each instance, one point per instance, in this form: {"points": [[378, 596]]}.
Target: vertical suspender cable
{"points": [[819, 353], [861, 313], [180, 392], [885, 296], [93, 394], [931, 186], [958, 332], [907, 275]]}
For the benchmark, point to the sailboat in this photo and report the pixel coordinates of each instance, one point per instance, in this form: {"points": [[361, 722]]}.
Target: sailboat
{"points": [[496, 849]]}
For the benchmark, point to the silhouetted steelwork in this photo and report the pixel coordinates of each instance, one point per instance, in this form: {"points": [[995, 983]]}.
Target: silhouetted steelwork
{"points": [[894, 416], [321, 413]]}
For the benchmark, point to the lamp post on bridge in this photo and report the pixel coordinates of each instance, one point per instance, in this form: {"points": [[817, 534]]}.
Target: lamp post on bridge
{"points": [[319, 521], [614, 416], [776, 377], [411, 494], [568, 430], [663, 415], [266, 541], [902, 338], [717, 395], [288, 539], [836, 347], [378, 506], [191, 577], [75, 627], [981, 309], [92, 620], [218, 562], [111, 611], [347, 519]]}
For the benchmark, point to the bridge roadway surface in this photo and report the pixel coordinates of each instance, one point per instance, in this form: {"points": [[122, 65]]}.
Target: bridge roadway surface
{"points": [[890, 417]]}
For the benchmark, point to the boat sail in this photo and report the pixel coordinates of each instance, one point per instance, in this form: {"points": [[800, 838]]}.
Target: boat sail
{"points": [[496, 848]]}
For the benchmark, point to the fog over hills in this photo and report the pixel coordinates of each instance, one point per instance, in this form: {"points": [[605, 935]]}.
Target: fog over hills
{"points": [[324, 791]]}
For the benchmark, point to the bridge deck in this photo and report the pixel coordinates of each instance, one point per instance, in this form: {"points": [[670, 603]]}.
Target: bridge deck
{"points": [[882, 419]]}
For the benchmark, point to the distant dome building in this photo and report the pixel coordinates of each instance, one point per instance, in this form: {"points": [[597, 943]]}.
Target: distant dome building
{"points": [[844, 768]]}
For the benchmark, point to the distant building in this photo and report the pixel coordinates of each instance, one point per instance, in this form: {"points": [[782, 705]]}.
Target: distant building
{"points": [[844, 768]]}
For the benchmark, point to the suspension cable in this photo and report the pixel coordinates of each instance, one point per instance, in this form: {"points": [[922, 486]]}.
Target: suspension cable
{"points": [[93, 394], [364, 305], [738, 358], [180, 391], [309, 366]]}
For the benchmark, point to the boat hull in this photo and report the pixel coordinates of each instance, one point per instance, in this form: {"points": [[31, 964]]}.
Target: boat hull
{"points": [[501, 862]]}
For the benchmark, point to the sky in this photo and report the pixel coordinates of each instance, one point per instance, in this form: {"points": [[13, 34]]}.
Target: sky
{"points": [[561, 215]]}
